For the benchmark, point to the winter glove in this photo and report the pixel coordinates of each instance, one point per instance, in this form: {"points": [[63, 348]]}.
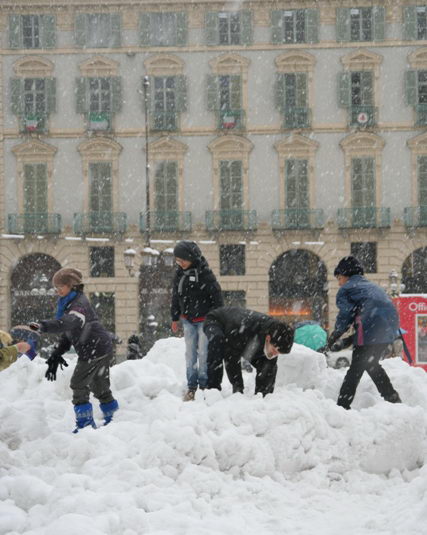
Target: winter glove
{"points": [[32, 352], [53, 362]]}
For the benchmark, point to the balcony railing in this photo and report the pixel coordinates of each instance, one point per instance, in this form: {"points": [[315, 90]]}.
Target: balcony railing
{"points": [[297, 218], [36, 223], [297, 118], [36, 123], [99, 121], [230, 119], [166, 121], [363, 217], [218, 220], [415, 216], [421, 111], [363, 116], [100, 223], [166, 221]]}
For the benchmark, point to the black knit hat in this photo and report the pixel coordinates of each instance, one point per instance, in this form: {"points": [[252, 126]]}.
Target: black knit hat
{"points": [[187, 250], [282, 336], [349, 266]]}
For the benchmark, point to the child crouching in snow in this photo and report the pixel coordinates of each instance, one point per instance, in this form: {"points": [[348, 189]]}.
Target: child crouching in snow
{"points": [[9, 351], [79, 326]]}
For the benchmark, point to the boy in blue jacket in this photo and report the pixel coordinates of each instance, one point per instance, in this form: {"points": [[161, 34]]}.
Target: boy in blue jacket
{"points": [[368, 308]]}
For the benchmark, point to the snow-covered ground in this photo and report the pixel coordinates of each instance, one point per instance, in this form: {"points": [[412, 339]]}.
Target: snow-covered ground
{"points": [[292, 463]]}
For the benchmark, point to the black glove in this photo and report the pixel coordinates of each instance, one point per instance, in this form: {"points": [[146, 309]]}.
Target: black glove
{"points": [[53, 362], [332, 339]]}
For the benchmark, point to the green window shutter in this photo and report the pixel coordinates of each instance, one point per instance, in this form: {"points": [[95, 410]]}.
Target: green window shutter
{"points": [[344, 89], [50, 84], [211, 24], [48, 31], [367, 80], [15, 31], [246, 34], [301, 86], [16, 96], [80, 29], [213, 92], [181, 93], [235, 92], [181, 28], [116, 93], [116, 30], [378, 20], [343, 24], [410, 23], [144, 29], [276, 27], [41, 189], [280, 92], [81, 95], [312, 25], [411, 88]]}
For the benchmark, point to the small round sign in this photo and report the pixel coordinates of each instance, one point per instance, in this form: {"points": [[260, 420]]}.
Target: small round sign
{"points": [[362, 118]]}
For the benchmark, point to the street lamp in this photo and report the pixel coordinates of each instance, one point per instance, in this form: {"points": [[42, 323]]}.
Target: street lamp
{"points": [[129, 258], [43, 289], [393, 283], [146, 86]]}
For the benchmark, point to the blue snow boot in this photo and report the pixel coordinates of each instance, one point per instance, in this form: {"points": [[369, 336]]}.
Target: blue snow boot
{"points": [[108, 409], [84, 416]]}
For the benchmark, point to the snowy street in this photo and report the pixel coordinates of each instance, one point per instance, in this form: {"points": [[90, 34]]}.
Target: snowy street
{"points": [[292, 463]]}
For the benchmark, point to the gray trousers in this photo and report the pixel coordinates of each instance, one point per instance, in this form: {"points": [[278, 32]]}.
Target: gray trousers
{"points": [[92, 376]]}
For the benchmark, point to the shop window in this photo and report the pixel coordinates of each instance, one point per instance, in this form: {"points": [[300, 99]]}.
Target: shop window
{"points": [[232, 259], [101, 261]]}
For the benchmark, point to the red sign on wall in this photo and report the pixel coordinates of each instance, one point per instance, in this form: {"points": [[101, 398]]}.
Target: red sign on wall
{"points": [[412, 310]]}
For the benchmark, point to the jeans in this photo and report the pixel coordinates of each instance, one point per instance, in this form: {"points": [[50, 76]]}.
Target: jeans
{"points": [[196, 354]]}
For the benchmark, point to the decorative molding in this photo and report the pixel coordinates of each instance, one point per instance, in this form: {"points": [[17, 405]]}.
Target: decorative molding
{"points": [[164, 65], [297, 61], [230, 64], [99, 66], [102, 148], [34, 150], [361, 60], [418, 59], [33, 67]]}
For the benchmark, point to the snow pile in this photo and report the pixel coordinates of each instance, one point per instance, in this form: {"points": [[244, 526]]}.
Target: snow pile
{"points": [[292, 463]]}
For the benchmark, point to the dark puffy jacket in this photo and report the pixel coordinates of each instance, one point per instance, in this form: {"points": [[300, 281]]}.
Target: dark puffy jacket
{"points": [[370, 310], [195, 292], [81, 328], [245, 330]]}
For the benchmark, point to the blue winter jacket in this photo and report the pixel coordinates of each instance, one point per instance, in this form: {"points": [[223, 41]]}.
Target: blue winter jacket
{"points": [[369, 309]]}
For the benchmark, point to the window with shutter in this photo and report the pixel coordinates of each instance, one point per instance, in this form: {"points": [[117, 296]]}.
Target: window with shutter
{"points": [[295, 109], [164, 112], [99, 98], [166, 186], [100, 187], [35, 103], [229, 28], [422, 180], [231, 185], [35, 188], [296, 191], [421, 22], [362, 112], [229, 102], [31, 31], [101, 30], [363, 182], [165, 29]]}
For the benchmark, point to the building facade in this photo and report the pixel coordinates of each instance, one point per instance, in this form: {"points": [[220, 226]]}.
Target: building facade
{"points": [[280, 136]]}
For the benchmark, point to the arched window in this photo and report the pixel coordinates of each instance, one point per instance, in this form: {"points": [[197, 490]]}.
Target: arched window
{"points": [[298, 287], [414, 272]]}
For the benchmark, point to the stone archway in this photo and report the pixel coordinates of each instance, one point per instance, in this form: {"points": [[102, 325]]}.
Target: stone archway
{"points": [[414, 272], [298, 288], [32, 295]]}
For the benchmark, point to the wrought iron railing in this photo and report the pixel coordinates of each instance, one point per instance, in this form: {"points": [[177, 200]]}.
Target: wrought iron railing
{"points": [[34, 223], [363, 217], [415, 216], [231, 119], [218, 220], [297, 218], [166, 221], [297, 118], [100, 223], [363, 116]]}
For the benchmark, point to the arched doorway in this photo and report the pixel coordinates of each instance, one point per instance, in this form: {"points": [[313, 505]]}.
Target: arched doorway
{"points": [[32, 295], [298, 287], [414, 272]]}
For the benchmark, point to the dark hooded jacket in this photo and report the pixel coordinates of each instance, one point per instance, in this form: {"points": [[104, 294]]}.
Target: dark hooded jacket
{"points": [[245, 330], [81, 328], [195, 290]]}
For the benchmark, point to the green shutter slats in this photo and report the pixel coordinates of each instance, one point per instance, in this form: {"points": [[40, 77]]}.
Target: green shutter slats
{"points": [[344, 89], [301, 86], [81, 95], [280, 92], [367, 80], [15, 31], [235, 92], [144, 29], [16, 96], [343, 24], [116, 94], [50, 84], [411, 88], [116, 30], [211, 28], [276, 27], [246, 33], [378, 21], [181, 28], [80, 29], [312, 25], [213, 92], [47, 31], [410, 23], [181, 93]]}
